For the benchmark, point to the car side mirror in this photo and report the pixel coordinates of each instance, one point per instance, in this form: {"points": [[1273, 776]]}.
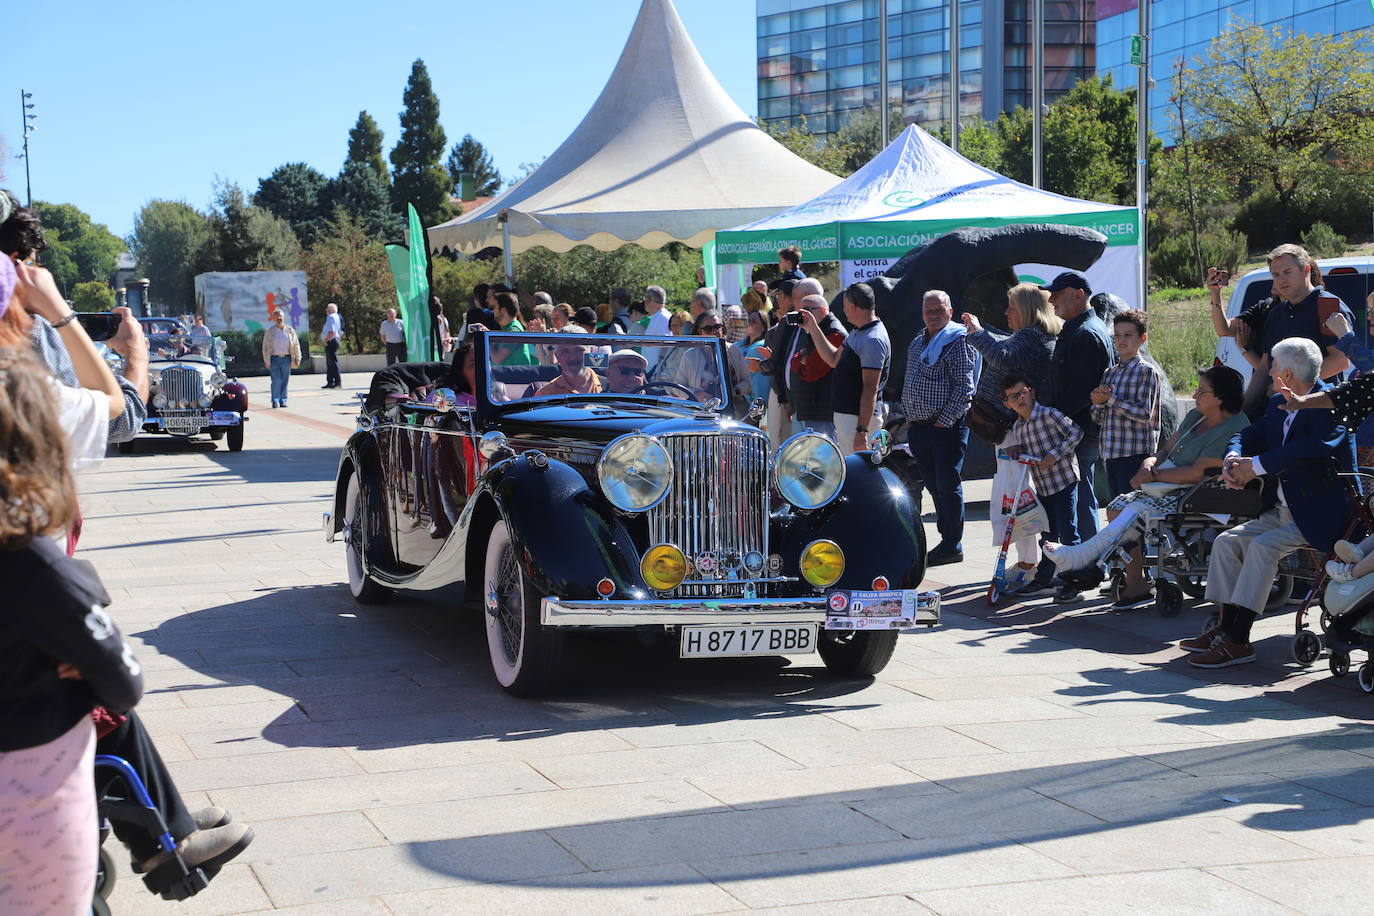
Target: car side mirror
{"points": [[493, 446], [442, 399], [879, 446]]}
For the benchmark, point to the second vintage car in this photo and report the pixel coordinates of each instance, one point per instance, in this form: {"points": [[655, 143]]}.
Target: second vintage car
{"points": [[608, 491], [189, 393]]}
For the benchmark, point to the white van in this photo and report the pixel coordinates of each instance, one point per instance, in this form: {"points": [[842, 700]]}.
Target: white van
{"points": [[1350, 278]]}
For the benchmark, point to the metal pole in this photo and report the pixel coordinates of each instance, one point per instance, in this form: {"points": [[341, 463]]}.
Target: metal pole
{"points": [[882, 71], [505, 249], [24, 107], [1142, 153], [1037, 49], [954, 74]]}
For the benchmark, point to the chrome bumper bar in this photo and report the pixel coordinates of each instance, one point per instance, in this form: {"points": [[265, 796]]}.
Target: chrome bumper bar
{"points": [[556, 612]]}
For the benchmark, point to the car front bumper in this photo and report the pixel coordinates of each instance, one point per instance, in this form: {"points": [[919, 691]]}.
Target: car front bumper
{"points": [[557, 612]]}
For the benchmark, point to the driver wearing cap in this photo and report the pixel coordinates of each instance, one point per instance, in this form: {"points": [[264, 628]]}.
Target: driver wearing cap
{"points": [[626, 372], [576, 376]]}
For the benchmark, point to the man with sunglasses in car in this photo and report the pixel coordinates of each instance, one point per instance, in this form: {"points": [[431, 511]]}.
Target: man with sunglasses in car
{"points": [[625, 373]]}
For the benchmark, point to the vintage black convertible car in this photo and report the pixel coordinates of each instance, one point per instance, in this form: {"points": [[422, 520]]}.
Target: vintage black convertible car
{"points": [[637, 505]]}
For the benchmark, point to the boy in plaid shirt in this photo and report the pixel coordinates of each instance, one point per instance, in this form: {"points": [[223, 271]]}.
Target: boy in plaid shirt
{"points": [[1047, 434], [1126, 404]]}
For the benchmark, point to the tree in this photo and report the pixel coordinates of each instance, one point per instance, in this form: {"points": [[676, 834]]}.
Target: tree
{"points": [[167, 238], [78, 249], [93, 296], [296, 193], [365, 147], [454, 279], [417, 175], [347, 267], [1277, 112], [468, 155], [585, 276], [359, 191], [245, 237]]}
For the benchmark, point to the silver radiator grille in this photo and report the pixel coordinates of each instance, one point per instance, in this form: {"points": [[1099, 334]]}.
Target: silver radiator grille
{"points": [[718, 502], [178, 384]]}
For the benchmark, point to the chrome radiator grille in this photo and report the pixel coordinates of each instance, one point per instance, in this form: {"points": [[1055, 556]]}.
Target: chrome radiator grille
{"points": [[178, 384], [718, 503]]}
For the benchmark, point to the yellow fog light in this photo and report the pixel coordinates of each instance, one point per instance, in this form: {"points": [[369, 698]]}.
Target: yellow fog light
{"points": [[663, 567], [822, 563]]}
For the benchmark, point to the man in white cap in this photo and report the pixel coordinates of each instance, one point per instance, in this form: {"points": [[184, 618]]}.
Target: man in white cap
{"points": [[626, 370]]}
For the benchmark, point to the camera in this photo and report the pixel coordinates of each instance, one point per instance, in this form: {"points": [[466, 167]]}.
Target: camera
{"points": [[792, 318], [100, 325]]}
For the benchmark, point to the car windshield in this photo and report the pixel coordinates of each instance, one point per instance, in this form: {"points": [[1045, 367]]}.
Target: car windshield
{"points": [[532, 366], [190, 346]]}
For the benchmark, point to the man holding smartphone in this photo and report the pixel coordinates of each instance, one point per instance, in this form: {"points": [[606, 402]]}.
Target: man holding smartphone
{"points": [[1301, 310]]}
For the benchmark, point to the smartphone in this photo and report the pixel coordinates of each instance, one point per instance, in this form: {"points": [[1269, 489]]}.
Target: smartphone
{"points": [[1326, 307], [100, 325]]}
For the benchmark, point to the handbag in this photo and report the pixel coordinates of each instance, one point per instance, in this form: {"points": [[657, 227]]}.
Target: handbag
{"points": [[987, 422]]}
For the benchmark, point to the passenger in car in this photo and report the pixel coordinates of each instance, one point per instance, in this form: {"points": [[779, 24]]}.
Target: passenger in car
{"points": [[576, 376]]}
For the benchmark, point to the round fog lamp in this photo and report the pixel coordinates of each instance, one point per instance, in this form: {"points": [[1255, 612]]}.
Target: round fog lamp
{"points": [[159, 400], [822, 563], [204, 400], [663, 567]]}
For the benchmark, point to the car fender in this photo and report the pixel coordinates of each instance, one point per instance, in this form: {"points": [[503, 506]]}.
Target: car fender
{"points": [[875, 522], [360, 456], [233, 396], [566, 535]]}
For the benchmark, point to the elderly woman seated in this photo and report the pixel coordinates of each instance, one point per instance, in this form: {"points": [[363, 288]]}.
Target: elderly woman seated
{"points": [[1184, 459]]}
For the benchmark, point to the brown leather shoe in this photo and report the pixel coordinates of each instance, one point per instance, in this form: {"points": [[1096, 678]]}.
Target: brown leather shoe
{"points": [[1224, 654], [1202, 642]]}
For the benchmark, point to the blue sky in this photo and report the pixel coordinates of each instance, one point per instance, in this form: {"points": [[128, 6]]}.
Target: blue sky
{"points": [[154, 99]]}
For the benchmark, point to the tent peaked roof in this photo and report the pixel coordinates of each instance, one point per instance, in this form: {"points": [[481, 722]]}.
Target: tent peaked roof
{"points": [[663, 155], [917, 178]]}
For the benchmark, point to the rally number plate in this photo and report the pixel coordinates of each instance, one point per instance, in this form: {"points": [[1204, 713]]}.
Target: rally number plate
{"points": [[224, 418], [729, 642]]}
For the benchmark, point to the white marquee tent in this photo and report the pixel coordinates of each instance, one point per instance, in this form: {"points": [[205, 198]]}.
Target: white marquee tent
{"points": [[663, 155], [913, 191]]}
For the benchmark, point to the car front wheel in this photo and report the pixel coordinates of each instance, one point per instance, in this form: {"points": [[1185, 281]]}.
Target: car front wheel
{"points": [[364, 590], [234, 435], [525, 655], [849, 654]]}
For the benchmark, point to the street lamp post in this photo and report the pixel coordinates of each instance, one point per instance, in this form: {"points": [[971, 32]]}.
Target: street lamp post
{"points": [[882, 72], [1037, 75], [1142, 152], [954, 74], [25, 109]]}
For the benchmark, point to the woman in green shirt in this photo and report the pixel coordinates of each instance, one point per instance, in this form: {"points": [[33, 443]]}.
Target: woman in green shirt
{"points": [[1199, 444]]}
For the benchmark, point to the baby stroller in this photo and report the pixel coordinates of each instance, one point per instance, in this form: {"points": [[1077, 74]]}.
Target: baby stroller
{"points": [[1177, 546], [1343, 604], [172, 880]]}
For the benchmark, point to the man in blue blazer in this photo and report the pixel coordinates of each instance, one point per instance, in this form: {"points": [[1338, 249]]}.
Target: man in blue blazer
{"points": [[1296, 453]]}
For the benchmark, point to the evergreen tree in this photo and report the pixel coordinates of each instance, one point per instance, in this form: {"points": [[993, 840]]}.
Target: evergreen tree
{"points": [[246, 237], [361, 194], [365, 147], [167, 238], [418, 177], [296, 193], [469, 155]]}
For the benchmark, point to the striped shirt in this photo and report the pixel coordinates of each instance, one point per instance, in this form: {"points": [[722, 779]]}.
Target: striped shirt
{"points": [[1130, 417], [941, 392], [1048, 433]]}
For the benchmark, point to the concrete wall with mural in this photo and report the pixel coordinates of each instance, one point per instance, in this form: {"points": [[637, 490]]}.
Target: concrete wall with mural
{"points": [[245, 300]]}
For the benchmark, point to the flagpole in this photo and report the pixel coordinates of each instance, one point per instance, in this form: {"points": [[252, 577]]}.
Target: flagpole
{"points": [[954, 74], [1142, 153], [1037, 43], [882, 71]]}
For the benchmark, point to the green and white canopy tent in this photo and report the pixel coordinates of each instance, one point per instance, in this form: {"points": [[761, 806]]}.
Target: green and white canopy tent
{"points": [[913, 191]]}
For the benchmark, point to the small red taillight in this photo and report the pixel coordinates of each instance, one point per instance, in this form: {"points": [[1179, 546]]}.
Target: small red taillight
{"points": [[880, 584], [1340, 271], [605, 588]]}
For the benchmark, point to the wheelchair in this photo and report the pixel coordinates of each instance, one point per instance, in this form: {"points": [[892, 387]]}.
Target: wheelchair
{"points": [[173, 879], [1177, 546]]}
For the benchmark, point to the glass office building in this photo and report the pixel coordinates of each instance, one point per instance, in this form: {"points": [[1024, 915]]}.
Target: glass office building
{"points": [[1182, 29], [820, 60]]}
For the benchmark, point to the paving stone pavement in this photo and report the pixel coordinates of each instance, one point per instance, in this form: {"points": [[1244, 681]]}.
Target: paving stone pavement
{"points": [[1032, 758]]}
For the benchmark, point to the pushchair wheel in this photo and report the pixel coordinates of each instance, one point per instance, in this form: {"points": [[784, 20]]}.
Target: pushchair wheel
{"points": [[1116, 586], [105, 875], [1192, 586], [1326, 620], [1339, 663], [1365, 676], [1280, 593], [994, 595], [1168, 598], [1307, 646]]}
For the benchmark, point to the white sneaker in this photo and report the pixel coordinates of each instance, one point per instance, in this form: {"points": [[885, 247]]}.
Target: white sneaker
{"points": [[1340, 572], [1349, 552]]}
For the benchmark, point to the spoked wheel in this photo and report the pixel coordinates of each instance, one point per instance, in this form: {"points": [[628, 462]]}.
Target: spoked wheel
{"points": [[849, 654], [1325, 620], [364, 590], [1339, 663], [1365, 677], [1307, 646], [525, 655], [1168, 598], [1116, 586], [104, 876], [1280, 593], [1192, 586]]}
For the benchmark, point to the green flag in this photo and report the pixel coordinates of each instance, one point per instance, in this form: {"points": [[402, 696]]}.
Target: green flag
{"points": [[410, 271]]}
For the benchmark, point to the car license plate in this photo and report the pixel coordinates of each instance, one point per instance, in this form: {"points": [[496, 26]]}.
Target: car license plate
{"points": [[224, 418], [727, 642]]}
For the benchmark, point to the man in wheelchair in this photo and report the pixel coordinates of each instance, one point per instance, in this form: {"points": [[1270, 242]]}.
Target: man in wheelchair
{"points": [[1295, 454]]}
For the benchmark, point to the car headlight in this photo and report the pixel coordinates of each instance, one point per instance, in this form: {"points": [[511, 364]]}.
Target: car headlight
{"points": [[634, 472], [159, 400], [822, 563], [204, 400], [218, 380], [663, 567], [810, 470]]}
